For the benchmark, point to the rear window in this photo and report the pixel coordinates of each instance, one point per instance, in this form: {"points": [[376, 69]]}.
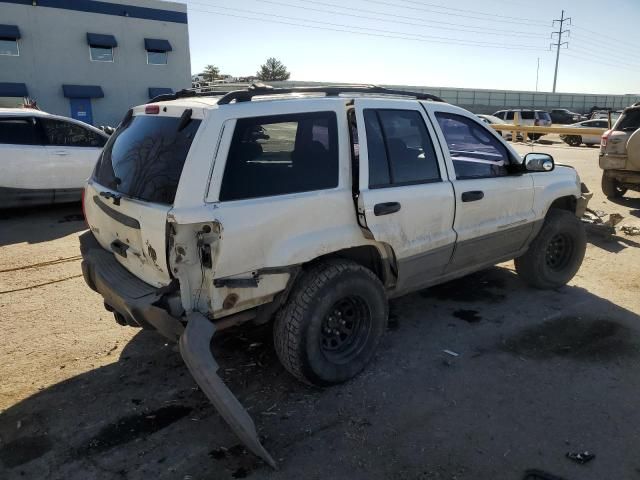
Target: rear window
{"points": [[629, 121], [144, 158]]}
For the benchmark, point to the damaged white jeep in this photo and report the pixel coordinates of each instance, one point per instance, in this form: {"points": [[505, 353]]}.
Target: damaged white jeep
{"points": [[311, 207]]}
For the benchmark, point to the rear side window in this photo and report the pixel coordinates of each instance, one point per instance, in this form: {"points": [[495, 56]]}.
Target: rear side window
{"points": [[399, 148], [510, 115], [527, 115], [144, 158], [69, 134], [19, 131], [475, 151], [629, 121], [281, 154]]}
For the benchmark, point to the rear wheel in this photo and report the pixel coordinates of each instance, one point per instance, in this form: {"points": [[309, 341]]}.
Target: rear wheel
{"points": [[611, 187], [332, 323], [555, 255]]}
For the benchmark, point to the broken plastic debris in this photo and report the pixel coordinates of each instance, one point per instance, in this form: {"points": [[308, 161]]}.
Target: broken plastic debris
{"points": [[581, 457], [630, 230], [453, 354]]}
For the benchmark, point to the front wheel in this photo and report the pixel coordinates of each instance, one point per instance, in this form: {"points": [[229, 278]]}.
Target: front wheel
{"points": [[332, 323], [555, 255], [611, 187], [574, 140]]}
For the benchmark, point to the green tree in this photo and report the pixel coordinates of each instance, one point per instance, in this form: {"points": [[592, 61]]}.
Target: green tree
{"points": [[273, 69], [211, 72]]}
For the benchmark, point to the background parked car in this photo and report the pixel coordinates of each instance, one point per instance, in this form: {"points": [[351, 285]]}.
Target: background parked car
{"points": [[538, 118], [564, 116], [491, 120], [45, 158], [590, 140]]}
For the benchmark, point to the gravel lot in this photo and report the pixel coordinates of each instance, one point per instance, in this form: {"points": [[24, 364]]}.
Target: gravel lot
{"points": [[538, 374]]}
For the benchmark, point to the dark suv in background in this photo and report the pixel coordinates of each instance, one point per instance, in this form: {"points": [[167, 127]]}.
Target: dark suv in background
{"points": [[564, 116]]}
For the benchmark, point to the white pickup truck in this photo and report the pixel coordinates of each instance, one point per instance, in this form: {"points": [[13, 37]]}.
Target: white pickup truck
{"points": [[311, 207]]}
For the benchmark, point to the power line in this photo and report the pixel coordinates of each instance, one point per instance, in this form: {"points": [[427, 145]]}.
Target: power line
{"points": [[348, 29], [560, 32], [608, 64], [430, 10], [424, 23], [607, 48], [606, 58], [433, 5]]}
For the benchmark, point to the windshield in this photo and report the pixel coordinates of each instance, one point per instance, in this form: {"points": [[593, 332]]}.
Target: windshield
{"points": [[145, 157]]}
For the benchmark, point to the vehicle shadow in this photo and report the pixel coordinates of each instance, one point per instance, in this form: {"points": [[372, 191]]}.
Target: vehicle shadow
{"points": [[629, 202], [40, 224], [468, 371], [611, 243]]}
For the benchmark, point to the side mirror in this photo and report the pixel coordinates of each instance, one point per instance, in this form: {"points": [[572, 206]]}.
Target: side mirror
{"points": [[538, 162]]}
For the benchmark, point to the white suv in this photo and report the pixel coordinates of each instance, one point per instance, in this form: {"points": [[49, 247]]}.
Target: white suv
{"points": [[45, 158], [311, 207], [537, 118]]}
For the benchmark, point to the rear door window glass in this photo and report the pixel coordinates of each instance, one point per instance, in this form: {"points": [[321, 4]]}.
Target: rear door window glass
{"points": [[144, 158], [281, 154], [475, 151], [510, 115], [19, 131], [629, 121], [67, 134], [527, 115]]}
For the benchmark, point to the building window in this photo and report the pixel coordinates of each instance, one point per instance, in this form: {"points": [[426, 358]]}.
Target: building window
{"points": [[101, 54], [9, 47], [157, 50], [156, 58]]}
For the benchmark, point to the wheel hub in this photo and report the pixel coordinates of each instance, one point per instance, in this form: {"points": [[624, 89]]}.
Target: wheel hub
{"points": [[558, 252], [343, 327]]}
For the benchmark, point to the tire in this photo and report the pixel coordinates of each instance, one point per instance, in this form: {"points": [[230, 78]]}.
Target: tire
{"points": [[611, 187], [574, 140], [326, 296], [555, 255]]}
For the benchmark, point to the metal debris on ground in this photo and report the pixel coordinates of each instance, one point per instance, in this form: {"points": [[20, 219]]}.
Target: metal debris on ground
{"points": [[581, 457], [453, 354], [630, 230], [594, 223]]}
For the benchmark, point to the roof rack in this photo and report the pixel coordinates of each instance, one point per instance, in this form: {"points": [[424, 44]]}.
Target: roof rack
{"points": [[260, 89], [186, 93]]}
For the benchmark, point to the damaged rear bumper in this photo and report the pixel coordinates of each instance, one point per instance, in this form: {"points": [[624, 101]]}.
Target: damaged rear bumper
{"points": [[139, 302]]}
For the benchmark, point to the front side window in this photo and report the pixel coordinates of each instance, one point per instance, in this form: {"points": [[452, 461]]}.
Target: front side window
{"points": [[19, 131], [399, 148], [67, 134], [281, 154], [156, 58], [475, 151], [9, 46], [101, 54]]}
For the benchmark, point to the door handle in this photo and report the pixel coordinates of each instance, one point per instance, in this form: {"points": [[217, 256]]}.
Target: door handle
{"points": [[61, 153], [385, 208], [472, 196]]}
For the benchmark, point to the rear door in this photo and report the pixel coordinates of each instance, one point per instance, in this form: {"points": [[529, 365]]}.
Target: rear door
{"points": [[134, 185], [23, 160], [405, 199], [494, 209], [72, 150]]}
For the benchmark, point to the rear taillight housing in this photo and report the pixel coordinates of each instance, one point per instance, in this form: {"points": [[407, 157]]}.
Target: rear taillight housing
{"points": [[604, 138], [152, 109]]}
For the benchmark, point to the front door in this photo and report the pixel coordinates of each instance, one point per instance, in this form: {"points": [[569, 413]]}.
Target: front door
{"points": [[81, 109], [494, 209], [405, 199]]}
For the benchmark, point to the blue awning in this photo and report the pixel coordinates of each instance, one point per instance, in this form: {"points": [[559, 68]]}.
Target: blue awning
{"points": [[13, 90], [9, 32], [155, 91], [157, 45], [82, 91], [101, 40]]}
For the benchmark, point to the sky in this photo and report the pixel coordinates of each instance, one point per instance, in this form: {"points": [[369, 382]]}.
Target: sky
{"points": [[492, 44]]}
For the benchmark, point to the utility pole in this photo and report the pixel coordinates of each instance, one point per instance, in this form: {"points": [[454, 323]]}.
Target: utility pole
{"points": [[537, 73], [560, 32]]}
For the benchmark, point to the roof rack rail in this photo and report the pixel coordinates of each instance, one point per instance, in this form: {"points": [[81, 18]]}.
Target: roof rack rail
{"points": [[186, 93], [260, 89]]}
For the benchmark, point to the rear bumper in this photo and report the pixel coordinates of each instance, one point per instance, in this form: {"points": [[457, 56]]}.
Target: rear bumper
{"points": [[137, 301]]}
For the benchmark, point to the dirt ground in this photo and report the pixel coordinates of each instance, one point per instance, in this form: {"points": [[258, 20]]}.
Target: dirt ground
{"points": [[537, 375]]}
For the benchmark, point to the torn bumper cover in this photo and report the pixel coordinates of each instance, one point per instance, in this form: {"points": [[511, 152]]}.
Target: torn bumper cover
{"points": [[137, 301]]}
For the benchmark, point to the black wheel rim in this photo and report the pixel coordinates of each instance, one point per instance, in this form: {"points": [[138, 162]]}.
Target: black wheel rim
{"points": [[559, 252], [345, 329]]}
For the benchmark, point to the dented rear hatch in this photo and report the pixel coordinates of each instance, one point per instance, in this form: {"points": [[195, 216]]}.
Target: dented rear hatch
{"points": [[134, 184]]}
